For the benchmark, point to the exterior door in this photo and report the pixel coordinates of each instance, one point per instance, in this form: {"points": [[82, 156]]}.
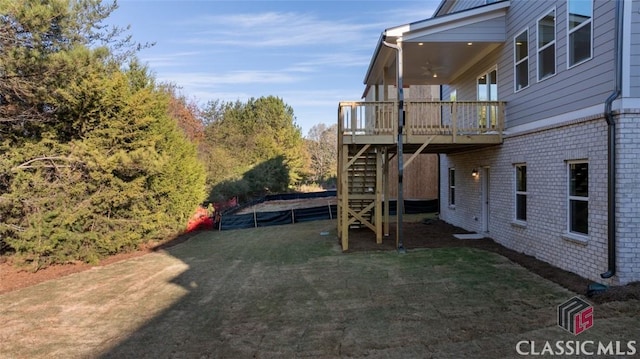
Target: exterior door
{"points": [[488, 91], [484, 184]]}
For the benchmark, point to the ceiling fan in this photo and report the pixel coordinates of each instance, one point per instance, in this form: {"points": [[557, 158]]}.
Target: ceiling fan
{"points": [[430, 71]]}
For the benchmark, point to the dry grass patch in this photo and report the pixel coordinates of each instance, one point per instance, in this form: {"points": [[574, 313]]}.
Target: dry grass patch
{"points": [[288, 291]]}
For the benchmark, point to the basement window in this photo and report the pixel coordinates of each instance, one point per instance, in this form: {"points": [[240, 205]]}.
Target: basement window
{"points": [[521, 192], [578, 199], [452, 186]]}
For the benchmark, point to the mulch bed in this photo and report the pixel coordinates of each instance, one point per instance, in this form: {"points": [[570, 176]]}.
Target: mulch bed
{"points": [[439, 234]]}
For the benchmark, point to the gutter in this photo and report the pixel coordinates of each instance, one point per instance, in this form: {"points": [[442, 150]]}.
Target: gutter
{"points": [[611, 147], [400, 99], [376, 52]]}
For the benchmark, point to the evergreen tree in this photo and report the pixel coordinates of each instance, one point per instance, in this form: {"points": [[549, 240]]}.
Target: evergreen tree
{"points": [[92, 161], [253, 147]]}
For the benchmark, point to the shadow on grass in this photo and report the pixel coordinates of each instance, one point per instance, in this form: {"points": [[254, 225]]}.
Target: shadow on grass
{"points": [[289, 291]]}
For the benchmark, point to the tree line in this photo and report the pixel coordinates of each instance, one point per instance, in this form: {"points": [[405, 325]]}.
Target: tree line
{"points": [[97, 157]]}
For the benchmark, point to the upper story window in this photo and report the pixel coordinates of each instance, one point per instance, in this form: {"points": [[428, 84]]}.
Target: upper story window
{"points": [[521, 59], [547, 45], [579, 31]]}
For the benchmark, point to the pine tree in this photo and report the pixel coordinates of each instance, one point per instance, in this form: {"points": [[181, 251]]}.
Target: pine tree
{"points": [[96, 164]]}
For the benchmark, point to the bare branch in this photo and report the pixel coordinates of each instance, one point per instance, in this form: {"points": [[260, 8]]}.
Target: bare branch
{"points": [[51, 160]]}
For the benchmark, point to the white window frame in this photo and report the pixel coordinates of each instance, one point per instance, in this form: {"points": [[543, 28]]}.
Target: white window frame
{"points": [[571, 31], [486, 74], [551, 43], [490, 111], [519, 193], [452, 187], [571, 198], [517, 62]]}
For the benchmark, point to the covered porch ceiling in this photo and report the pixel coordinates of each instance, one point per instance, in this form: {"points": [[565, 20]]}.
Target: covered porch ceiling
{"points": [[438, 50]]}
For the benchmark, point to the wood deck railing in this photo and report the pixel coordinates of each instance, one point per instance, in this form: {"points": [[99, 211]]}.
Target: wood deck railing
{"points": [[453, 118]]}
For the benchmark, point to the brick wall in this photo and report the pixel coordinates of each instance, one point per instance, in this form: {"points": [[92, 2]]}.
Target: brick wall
{"points": [[628, 197], [545, 234]]}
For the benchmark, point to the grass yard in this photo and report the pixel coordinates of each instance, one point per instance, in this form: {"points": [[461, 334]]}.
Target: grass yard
{"points": [[288, 291]]}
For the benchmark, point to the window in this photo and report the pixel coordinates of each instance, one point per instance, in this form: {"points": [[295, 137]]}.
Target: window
{"points": [[488, 91], [579, 29], [521, 60], [547, 45], [521, 192], [452, 186], [579, 198]]}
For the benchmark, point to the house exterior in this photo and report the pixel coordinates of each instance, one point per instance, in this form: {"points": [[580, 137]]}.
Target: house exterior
{"points": [[558, 83]]}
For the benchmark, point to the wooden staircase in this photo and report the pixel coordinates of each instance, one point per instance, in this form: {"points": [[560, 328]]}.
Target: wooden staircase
{"points": [[361, 169], [362, 183], [368, 140]]}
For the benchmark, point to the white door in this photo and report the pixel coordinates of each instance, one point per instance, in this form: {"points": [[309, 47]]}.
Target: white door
{"points": [[485, 199], [488, 91]]}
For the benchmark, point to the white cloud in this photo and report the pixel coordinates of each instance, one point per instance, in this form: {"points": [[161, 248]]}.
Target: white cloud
{"points": [[278, 29], [338, 60], [212, 80], [169, 59]]}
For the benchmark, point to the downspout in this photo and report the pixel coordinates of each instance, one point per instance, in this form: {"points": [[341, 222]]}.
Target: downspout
{"points": [[439, 179], [611, 146], [399, 85]]}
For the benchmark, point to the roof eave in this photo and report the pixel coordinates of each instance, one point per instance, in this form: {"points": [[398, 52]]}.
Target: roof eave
{"points": [[401, 30]]}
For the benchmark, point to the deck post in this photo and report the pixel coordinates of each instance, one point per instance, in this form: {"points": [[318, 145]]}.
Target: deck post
{"points": [[385, 179], [454, 120], [344, 189], [340, 148], [378, 209], [354, 120], [400, 131], [400, 99]]}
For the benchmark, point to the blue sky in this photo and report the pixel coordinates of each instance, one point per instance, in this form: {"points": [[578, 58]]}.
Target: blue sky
{"points": [[310, 53]]}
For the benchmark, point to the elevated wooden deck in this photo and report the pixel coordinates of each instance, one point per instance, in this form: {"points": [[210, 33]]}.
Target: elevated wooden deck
{"points": [[368, 139], [446, 125]]}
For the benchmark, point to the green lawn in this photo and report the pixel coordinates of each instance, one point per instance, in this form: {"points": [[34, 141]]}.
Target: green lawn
{"points": [[288, 291]]}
